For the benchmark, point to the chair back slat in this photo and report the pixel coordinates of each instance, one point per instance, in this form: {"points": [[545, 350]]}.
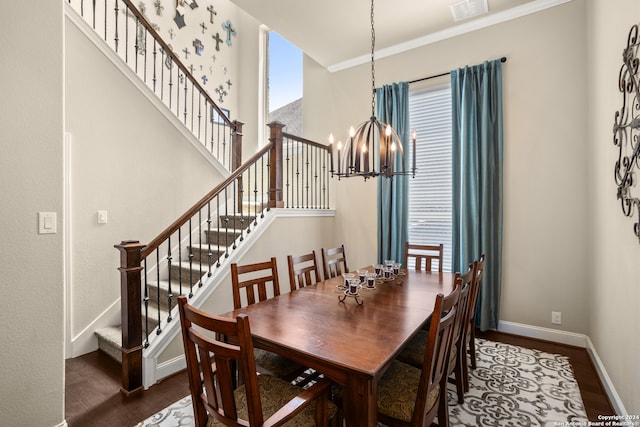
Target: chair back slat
{"points": [[426, 253], [437, 353], [213, 379], [256, 289], [334, 262], [303, 270], [474, 294]]}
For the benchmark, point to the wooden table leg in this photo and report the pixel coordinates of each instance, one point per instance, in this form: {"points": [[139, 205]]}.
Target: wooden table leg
{"points": [[360, 406]]}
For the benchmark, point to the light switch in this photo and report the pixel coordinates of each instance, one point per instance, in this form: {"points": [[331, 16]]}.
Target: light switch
{"points": [[47, 223], [103, 217]]}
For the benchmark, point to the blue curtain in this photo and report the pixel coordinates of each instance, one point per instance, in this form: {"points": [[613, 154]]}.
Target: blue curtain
{"points": [[392, 103], [477, 178]]}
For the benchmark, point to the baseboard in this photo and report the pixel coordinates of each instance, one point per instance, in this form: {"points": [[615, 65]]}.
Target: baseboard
{"points": [[86, 340], [614, 398], [569, 338], [547, 334], [62, 424], [172, 366]]}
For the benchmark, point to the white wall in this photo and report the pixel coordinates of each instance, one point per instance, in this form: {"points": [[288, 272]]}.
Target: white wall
{"points": [[614, 270], [545, 199], [31, 165], [127, 159]]}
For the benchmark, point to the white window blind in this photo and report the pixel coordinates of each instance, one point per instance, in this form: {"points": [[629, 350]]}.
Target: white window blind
{"points": [[430, 192]]}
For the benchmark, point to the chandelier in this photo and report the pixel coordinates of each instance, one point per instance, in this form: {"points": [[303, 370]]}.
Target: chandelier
{"points": [[373, 144]]}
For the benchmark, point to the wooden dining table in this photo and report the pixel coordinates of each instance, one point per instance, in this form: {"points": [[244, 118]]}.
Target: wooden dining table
{"points": [[349, 343]]}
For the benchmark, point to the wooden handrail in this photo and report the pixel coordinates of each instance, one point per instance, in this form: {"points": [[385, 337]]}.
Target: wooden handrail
{"points": [[155, 243], [304, 140], [176, 60]]}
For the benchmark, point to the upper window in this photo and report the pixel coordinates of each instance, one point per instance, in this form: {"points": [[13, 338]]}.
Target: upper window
{"points": [[285, 83], [430, 192]]}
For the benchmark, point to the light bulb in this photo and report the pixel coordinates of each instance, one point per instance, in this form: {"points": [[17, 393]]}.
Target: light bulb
{"points": [[339, 145], [352, 132], [387, 131], [330, 138]]}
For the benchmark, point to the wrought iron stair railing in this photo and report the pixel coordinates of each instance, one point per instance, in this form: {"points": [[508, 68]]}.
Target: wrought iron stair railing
{"points": [[130, 35], [289, 172]]}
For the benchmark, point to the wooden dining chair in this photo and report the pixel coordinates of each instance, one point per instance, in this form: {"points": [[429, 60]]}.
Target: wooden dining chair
{"points": [[261, 399], [426, 253], [408, 396], [413, 353], [303, 270], [474, 296], [334, 262], [259, 281]]}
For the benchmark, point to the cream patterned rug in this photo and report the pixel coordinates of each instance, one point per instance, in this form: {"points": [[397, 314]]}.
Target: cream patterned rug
{"points": [[512, 386]]}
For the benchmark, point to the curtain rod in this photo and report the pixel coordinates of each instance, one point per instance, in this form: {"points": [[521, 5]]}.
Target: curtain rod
{"points": [[503, 59]]}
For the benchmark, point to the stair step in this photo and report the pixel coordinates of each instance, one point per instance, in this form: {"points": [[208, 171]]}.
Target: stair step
{"points": [[201, 252], [163, 288], [239, 222], [195, 271], [110, 341], [223, 237]]}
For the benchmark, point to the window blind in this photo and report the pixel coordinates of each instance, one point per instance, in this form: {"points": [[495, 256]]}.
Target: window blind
{"points": [[430, 193]]}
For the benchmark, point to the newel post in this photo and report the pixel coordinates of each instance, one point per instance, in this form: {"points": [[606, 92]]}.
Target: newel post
{"points": [[275, 166], [131, 312], [236, 157], [236, 146]]}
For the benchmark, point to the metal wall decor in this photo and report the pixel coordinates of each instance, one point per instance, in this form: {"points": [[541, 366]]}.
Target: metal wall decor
{"points": [[626, 131]]}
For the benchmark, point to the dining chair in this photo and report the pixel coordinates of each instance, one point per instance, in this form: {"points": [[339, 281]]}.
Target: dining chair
{"points": [[409, 396], [334, 262], [426, 253], [212, 360], [474, 295], [259, 281], [303, 270], [413, 353]]}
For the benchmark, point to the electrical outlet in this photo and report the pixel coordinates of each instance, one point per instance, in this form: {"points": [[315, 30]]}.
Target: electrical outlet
{"points": [[556, 318]]}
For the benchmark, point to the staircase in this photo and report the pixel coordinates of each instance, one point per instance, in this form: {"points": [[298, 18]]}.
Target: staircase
{"points": [[190, 255], [186, 276]]}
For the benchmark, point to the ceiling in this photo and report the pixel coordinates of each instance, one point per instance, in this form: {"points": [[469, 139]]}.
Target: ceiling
{"points": [[336, 33]]}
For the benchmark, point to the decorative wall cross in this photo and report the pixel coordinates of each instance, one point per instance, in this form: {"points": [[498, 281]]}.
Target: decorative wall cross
{"points": [[229, 84], [221, 93], [198, 46], [203, 26], [172, 34], [191, 68], [228, 27], [212, 13], [159, 7], [186, 53], [193, 4], [205, 79], [218, 40]]}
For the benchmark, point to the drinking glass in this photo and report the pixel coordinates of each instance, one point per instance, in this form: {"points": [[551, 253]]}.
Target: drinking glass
{"points": [[347, 278], [371, 280]]}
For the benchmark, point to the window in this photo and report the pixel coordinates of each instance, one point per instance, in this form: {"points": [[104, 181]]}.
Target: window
{"points": [[285, 83], [430, 193]]}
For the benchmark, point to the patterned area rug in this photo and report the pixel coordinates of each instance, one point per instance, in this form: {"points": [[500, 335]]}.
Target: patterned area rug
{"points": [[512, 386]]}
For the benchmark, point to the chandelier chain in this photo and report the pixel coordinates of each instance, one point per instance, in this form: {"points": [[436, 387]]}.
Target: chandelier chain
{"points": [[373, 70]]}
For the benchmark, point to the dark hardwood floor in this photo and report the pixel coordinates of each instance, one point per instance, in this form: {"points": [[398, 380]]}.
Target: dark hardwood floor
{"points": [[92, 389], [93, 398]]}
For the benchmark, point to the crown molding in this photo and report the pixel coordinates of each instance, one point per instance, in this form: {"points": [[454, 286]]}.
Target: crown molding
{"points": [[477, 24]]}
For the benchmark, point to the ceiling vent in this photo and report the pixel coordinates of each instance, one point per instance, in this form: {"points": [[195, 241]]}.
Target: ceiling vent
{"points": [[466, 9]]}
